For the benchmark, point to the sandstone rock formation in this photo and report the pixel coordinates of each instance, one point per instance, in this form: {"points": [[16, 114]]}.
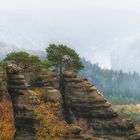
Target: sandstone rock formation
{"points": [[50, 84], [53, 95], [24, 101], [84, 100], [45, 79]]}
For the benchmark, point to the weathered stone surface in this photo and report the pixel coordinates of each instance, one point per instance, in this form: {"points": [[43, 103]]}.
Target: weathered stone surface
{"points": [[24, 102], [13, 69], [134, 137], [17, 82], [83, 100], [75, 130], [16, 76], [53, 95], [41, 81], [90, 137], [46, 80]]}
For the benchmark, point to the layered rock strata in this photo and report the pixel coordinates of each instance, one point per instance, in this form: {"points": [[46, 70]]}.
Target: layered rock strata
{"points": [[45, 79], [84, 100], [24, 102]]}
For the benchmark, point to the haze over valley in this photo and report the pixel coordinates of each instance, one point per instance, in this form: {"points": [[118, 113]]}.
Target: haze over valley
{"points": [[102, 32], [70, 69]]}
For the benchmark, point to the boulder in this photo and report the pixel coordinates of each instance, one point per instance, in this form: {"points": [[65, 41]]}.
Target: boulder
{"points": [[53, 95], [75, 130]]}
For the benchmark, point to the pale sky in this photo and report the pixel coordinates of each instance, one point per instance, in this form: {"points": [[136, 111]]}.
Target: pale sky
{"points": [[70, 4], [97, 29]]}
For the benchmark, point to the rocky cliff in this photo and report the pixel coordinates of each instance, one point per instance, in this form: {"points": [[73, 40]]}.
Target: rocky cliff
{"points": [[84, 100], [24, 101], [33, 116]]}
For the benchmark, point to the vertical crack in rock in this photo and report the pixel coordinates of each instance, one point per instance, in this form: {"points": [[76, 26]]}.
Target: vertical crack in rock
{"points": [[24, 102]]}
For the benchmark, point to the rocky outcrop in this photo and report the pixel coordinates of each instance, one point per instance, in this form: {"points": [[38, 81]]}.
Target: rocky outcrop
{"points": [[53, 95], [81, 100], [24, 102], [45, 79], [84, 100]]}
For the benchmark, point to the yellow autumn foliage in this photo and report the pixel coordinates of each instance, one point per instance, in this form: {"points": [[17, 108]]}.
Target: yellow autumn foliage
{"points": [[40, 92], [50, 125], [7, 129]]}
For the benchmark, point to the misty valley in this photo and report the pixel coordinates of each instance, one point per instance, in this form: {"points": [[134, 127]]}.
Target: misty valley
{"points": [[69, 70], [62, 96]]}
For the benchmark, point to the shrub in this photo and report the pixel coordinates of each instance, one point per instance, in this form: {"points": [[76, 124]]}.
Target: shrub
{"points": [[129, 111], [83, 124], [41, 93], [50, 124], [44, 97], [7, 129]]}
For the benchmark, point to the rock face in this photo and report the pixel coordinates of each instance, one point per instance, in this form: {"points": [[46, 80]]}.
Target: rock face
{"points": [[53, 95], [45, 79], [24, 101], [83, 100]]}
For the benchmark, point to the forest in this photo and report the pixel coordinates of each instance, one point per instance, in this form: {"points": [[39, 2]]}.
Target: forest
{"points": [[119, 87]]}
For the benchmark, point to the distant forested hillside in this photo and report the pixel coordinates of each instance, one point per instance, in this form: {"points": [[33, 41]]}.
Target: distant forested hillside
{"points": [[117, 86]]}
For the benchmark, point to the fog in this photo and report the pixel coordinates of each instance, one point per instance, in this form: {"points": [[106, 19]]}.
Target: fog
{"points": [[104, 31]]}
